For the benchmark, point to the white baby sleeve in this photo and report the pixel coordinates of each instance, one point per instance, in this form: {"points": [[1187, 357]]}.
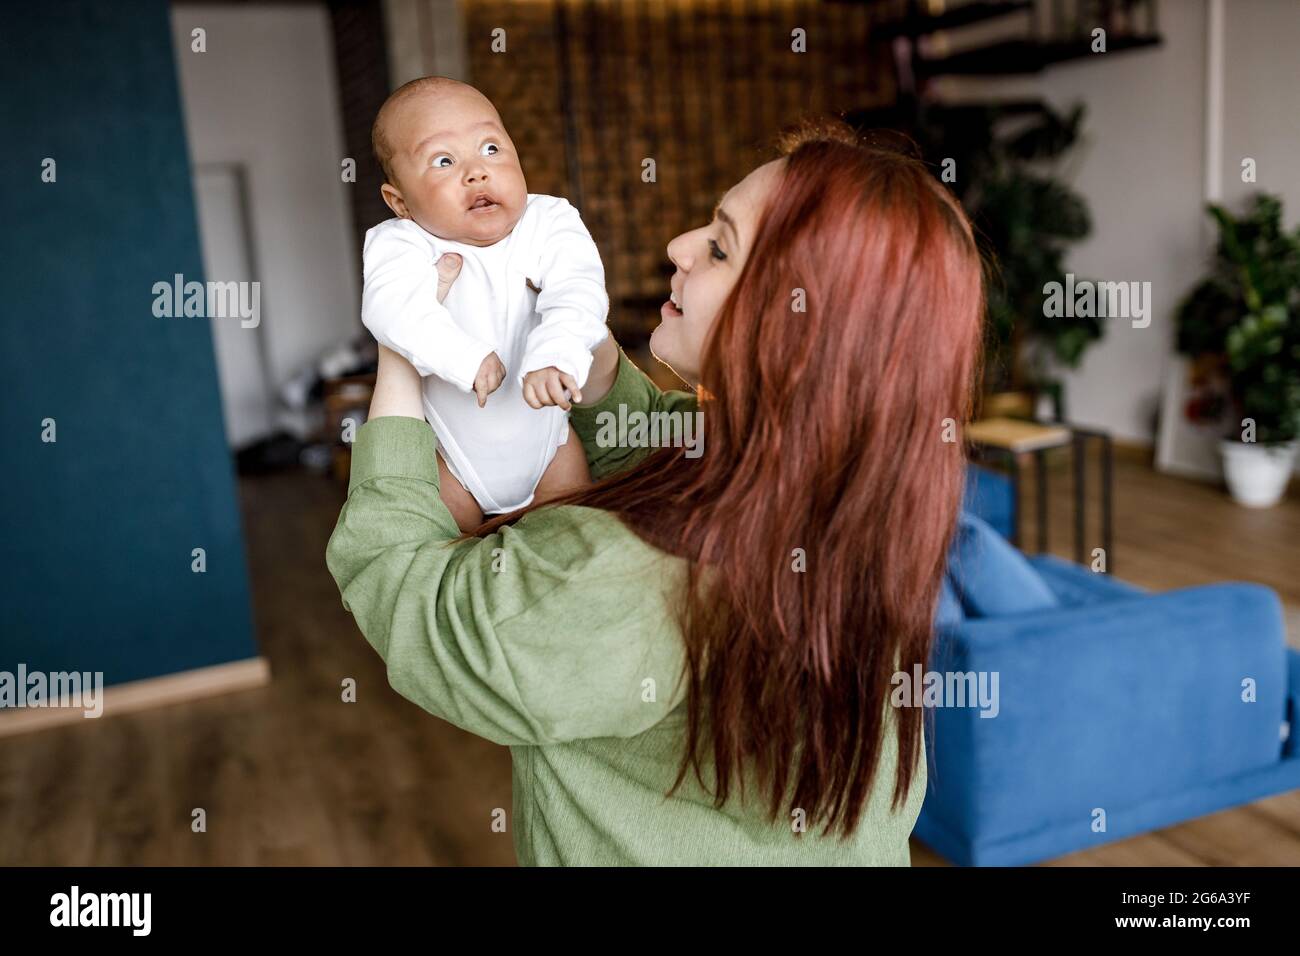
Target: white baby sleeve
{"points": [[400, 307], [572, 301]]}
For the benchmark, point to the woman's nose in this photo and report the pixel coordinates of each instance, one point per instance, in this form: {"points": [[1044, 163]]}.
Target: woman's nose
{"points": [[678, 252]]}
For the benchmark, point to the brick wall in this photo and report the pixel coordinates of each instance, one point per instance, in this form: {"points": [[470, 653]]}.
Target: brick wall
{"points": [[358, 30], [589, 89]]}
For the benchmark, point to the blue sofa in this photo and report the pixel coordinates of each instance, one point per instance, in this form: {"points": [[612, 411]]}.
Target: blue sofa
{"points": [[990, 495], [1118, 711]]}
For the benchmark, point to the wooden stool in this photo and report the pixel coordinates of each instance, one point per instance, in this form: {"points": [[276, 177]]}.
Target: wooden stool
{"points": [[1015, 439]]}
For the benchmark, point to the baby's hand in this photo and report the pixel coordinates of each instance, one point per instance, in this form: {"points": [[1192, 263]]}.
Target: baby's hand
{"points": [[546, 386], [491, 373]]}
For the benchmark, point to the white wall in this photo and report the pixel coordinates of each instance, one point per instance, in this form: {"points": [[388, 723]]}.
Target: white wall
{"points": [[265, 96], [1261, 100], [247, 403], [1261, 103], [1142, 169]]}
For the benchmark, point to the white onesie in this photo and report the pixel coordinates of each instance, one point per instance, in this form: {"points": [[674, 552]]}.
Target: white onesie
{"points": [[500, 451]]}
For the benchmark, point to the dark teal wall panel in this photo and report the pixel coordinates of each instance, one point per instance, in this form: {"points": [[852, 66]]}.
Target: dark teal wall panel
{"points": [[98, 528]]}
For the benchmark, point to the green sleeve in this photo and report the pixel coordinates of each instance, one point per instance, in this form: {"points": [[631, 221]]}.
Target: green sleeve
{"points": [[636, 392], [541, 633]]}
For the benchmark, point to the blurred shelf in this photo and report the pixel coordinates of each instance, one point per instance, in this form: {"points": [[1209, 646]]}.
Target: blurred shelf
{"points": [[1026, 56], [917, 24]]}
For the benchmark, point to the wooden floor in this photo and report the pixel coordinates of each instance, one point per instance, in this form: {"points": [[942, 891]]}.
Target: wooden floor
{"points": [[289, 774]]}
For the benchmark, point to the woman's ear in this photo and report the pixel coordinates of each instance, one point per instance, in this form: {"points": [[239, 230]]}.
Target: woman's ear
{"points": [[394, 201]]}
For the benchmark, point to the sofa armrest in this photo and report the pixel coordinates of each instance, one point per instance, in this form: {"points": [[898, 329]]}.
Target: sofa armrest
{"points": [[1108, 703]]}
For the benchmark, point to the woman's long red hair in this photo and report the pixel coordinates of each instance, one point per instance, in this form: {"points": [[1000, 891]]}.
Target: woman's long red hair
{"points": [[829, 435]]}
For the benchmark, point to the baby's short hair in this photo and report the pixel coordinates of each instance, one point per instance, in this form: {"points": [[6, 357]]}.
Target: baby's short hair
{"points": [[378, 136]]}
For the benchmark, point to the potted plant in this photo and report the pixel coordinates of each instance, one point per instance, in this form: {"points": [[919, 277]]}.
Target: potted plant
{"points": [[1000, 160], [1241, 328], [1029, 218]]}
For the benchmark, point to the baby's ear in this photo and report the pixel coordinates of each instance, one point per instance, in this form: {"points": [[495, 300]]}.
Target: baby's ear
{"points": [[393, 199]]}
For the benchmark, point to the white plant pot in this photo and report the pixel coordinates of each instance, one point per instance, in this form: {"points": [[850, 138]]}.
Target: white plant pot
{"points": [[1257, 474]]}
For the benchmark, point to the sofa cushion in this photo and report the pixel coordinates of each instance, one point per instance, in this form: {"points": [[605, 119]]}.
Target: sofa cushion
{"points": [[1074, 584], [988, 495], [949, 611], [992, 578]]}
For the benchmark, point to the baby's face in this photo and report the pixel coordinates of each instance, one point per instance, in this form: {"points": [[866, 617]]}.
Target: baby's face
{"points": [[458, 176]]}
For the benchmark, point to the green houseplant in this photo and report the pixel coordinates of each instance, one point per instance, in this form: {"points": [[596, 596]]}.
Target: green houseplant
{"points": [[1240, 326], [1029, 219]]}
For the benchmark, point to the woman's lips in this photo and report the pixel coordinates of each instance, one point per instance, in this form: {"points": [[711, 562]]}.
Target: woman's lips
{"points": [[670, 311]]}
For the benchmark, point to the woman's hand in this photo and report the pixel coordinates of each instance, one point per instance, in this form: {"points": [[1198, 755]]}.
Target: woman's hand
{"points": [[448, 267], [397, 383]]}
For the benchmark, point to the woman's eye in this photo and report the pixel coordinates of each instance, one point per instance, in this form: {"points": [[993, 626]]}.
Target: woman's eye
{"points": [[715, 251], [490, 149], [441, 161]]}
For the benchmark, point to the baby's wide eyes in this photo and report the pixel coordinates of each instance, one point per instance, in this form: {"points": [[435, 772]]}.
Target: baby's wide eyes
{"points": [[442, 160]]}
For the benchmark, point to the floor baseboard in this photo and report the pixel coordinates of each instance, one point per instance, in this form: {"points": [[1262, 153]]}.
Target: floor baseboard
{"points": [[143, 694]]}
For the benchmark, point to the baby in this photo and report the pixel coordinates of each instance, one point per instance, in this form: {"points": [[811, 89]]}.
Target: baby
{"points": [[521, 319]]}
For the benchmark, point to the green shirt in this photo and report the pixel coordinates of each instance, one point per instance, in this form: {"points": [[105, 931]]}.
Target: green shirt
{"points": [[555, 637]]}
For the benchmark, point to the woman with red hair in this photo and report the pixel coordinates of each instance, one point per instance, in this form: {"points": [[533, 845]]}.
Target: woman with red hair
{"points": [[691, 658]]}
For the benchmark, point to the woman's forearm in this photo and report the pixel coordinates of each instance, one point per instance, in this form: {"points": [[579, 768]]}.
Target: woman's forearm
{"points": [[604, 370], [397, 387]]}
